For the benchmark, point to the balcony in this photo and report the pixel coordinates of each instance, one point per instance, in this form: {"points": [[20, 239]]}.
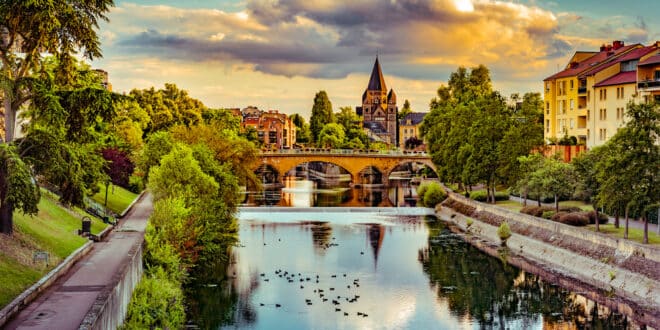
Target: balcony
{"points": [[649, 85], [582, 90]]}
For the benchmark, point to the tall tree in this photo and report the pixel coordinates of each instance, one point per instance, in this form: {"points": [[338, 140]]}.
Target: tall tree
{"points": [[633, 163], [405, 110], [28, 29], [555, 178], [321, 114], [303, 133], [169, 106]]}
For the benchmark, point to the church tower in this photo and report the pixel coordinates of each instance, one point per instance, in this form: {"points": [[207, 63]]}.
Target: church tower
{"points": [[379, 108]]}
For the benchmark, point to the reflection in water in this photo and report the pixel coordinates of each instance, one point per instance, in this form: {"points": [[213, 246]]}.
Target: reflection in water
{"points": [[320, 273]]}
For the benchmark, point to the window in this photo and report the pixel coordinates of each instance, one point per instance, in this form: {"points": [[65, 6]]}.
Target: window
{"points": [[588, 134], [657, 75], [547, 108], [572, 103], [604, 94], [603, 114], [572, 123], [571, 84], [563, 107], [547, 126], [588, 114], [588, 96]]}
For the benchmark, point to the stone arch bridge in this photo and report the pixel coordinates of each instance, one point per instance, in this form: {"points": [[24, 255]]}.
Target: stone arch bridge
{"points": [[351, 160]]}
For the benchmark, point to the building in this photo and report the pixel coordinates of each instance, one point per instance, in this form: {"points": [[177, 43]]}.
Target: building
{"points": [[588, 98], [379, 110], [275, 130], [409, 127]]}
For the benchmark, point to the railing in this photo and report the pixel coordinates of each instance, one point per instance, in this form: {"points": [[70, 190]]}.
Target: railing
{"points": [[648, 83], [582, 90], [322, 151]]}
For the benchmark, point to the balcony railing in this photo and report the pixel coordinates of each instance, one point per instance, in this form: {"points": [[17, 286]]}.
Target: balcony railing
{"points": [[582, 90], [648, 84]]}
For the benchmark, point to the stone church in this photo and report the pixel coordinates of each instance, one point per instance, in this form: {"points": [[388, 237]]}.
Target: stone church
{"points": [[379, 110]]}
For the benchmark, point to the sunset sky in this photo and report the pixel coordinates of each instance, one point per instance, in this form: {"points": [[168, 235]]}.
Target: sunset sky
{"points": [[278, 54]]}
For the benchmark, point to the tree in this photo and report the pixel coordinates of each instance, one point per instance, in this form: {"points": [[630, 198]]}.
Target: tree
{"points": [[17, 190], [632, 163], [168, 107], [321, 114], [405, 110], [303, 133], [586, 171], [119, 166], [413, 142], [356, 138], [332, 136], [525, 184], [555, 178], [33, 27]]}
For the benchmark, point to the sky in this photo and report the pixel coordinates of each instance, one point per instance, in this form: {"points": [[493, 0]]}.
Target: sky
{"points": [[277, 54]]}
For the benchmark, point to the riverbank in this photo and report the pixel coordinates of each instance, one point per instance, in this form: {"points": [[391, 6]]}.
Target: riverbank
{"points": [[623, 270]]}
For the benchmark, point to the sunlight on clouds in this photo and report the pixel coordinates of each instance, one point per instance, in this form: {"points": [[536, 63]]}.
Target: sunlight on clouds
{"points": [[464, 5]]}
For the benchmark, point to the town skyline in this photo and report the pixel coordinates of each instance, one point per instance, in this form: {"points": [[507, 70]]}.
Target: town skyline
{"points": [[271, 55]]}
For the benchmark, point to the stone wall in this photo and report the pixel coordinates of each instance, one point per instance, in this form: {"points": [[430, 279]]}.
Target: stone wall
{"points": [[109, 309], [603, 274]]}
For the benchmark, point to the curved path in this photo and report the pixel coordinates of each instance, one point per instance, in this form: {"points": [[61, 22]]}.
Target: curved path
{"points": [[65, 304]]}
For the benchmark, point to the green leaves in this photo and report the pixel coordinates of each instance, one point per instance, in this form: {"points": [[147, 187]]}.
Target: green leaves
{"points": [[17, 186], [321, 114]]}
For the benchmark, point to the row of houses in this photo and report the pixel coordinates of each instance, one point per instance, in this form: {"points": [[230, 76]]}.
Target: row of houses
{"points": [[588, 98]]}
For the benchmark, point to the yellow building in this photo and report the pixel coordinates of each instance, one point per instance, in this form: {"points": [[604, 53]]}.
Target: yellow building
{"points": [[409, 127], [648, 76], [566, 96]]}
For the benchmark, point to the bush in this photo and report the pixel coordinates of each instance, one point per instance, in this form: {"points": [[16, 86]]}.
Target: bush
{"points": [[157, 303], [459, 207], [536, 211], [558, 216], [574, 219], [421, 191], [135, 184], [602, 217], [481, 195], [570, 209], [434, 195], [547, 215], [504, 232]]}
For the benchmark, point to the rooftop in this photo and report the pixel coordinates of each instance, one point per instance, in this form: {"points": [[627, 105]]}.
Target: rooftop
{"points": [[629, 77], [576, 68]]}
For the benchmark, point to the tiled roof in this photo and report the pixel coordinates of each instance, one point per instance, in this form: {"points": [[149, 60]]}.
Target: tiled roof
{"points": [[618, 79], [655, 59], [590, 62], [415, 118], [376, 82], [375, 127], [632, 55]]}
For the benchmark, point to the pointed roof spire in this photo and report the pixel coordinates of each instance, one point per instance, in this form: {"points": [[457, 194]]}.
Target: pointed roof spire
{"points": [[376, 82]]}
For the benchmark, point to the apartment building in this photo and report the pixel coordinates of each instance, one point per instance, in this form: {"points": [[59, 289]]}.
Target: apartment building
{"points": [[275, 130], [588, 98]]}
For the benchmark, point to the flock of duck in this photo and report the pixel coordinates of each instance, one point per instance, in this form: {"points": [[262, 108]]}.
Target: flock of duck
{"points": [[325, 295]]}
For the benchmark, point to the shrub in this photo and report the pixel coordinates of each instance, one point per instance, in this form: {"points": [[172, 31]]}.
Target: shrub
{"points": [[570, 209], [557, 216], [157, 303], [478, 195], [504, 232], [501, 196], [459, 207], [547, 215], [421, 191], [602, 217], [434, 195], [536, 211], [135, 184], [574, 219]]}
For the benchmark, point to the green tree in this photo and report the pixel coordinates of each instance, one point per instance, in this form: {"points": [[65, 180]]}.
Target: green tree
{"points": [[525, 184], [555, 178], [168, 107], [321, 115], [17, 190], [332, 136], [32, 28], [405, 110], [586, 170], [632, 163], [356, 138], [303, 133]]}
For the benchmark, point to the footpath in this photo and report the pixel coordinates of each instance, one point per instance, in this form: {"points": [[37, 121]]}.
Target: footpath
{"points": [[76, 300]]}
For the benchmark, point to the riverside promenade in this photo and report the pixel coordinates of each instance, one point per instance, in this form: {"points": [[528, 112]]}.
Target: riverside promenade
{"points": [[73, 301]]}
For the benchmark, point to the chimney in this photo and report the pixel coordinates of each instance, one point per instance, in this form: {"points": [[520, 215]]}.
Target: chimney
{"points": [[616, 44], [603, 47], [609, 48], [574, 65]]}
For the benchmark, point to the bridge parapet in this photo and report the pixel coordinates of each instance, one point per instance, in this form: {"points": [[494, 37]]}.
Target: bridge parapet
{"points": [[321, 151]]}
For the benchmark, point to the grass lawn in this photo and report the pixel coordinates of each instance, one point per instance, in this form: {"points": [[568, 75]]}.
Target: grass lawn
{"points": [[633, 233], [53, 230], [584, 206], [118, 198], [511, 205]]}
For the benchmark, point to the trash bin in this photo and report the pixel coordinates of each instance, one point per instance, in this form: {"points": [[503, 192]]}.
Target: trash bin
{"points": [[86, 225]]}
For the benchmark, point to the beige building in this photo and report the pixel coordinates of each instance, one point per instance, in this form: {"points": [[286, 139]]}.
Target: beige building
{"points": [[275, 130], [409, 127], [588, 98]]}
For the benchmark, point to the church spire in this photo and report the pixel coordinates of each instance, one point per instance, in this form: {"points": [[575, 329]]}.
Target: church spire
{"points": [[376, 82]]}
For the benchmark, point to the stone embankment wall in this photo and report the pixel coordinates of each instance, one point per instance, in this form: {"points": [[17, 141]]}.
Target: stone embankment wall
{"points": [[109, 309], [602, 273]]}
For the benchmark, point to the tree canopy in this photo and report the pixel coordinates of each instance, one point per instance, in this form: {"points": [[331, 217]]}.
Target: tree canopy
{"points": [[321, 114]]}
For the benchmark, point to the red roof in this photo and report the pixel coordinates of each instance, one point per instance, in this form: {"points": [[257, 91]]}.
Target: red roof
{"points": [[618, 79], [590, 62], [632, 55], [655, 59]]}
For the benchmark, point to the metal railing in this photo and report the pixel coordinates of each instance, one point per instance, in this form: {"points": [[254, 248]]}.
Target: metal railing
{"points": [[360, 152]]}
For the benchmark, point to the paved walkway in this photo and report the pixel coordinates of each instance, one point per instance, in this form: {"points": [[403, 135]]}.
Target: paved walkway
{"points": [[653, 228], [64, 305]]}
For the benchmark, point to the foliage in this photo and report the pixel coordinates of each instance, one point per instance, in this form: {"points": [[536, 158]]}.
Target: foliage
{"points": [[504, 232], [481, 196], [118, 198], [536, 211], [18, 190], [119, 166], [135, 184], [331, 136], [571, 218], [405, 110], [628, 173], [355, 137], [303, 132], [548, 214], [412, 143], [555, 178], [158, 145], [473, 137], [157, 303], [168, 107], [321, 115], [434, 195]]}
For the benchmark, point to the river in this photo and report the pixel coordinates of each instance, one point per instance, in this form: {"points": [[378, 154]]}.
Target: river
{"points": [[369, 270]]}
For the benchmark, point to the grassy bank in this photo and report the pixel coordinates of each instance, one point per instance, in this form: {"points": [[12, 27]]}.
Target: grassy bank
{"points": [[634, 234], [52, 230], [118, 198]]}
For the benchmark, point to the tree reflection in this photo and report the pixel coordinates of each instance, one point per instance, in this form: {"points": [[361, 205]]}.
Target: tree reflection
{"points": [[496, 294]]}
